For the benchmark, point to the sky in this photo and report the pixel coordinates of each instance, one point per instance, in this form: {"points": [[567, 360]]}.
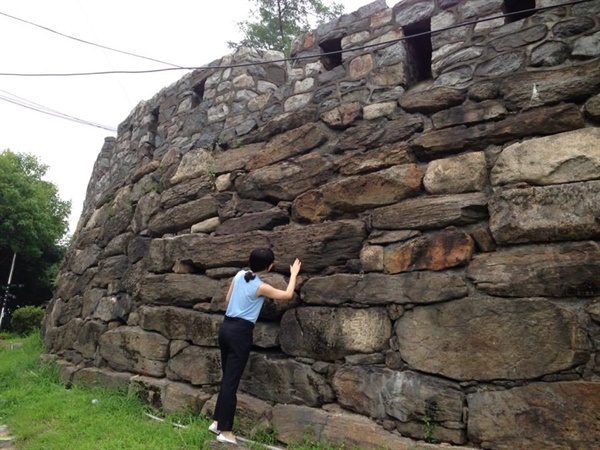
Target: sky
{"points": [[187, 33]]}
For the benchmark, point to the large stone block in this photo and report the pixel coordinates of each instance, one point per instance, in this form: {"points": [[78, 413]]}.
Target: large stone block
{"points": [[558, 270], [538, 416], [544, 214], [278, 379], [197, 365], [431, 212], [285, 180], [379, 393], [439, 251], [294, 424], [355, 194], [331, 333], [180, 323], [379, 289], [489, 339], [134, 350], [563, 158], [176, 289]]}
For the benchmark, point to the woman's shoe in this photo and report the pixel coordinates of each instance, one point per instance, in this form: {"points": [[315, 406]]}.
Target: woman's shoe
{"points": [[225, 440], [213, 428]]}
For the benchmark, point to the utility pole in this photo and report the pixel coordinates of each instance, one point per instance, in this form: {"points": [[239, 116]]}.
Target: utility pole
{"points": [[6, 295]]}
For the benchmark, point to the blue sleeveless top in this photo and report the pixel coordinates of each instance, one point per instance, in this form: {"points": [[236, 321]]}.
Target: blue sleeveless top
{"points": [[243, 302]]}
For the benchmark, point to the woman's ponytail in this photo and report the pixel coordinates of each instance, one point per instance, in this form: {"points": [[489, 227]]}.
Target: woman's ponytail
{"points": [[249, 275]]}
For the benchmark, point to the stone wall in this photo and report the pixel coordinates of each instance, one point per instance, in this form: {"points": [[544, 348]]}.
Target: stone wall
{"points": [[442, 191]]}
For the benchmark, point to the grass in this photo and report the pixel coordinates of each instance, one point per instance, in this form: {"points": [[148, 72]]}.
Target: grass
{"points": [[43, 414]]}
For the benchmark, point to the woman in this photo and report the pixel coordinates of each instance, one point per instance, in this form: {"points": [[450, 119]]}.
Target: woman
{"points": [[245, 297]]}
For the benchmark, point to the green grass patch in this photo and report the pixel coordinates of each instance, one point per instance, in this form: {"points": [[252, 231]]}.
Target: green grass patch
{"points": [[43, 414]]}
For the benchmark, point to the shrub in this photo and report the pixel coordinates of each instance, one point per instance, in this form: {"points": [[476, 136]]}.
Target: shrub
{"points": [[27, 319]]}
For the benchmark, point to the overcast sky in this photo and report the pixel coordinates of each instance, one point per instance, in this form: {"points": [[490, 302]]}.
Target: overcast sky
{"points": [[187, 33]]}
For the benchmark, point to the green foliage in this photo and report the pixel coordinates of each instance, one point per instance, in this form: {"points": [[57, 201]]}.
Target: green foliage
{"points": [[275, 23], [27, 319], [32, 216], [428, 429], [33, 224]]}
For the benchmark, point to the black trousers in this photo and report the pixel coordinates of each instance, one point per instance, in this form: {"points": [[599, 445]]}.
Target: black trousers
{"points": [[235, 341]]}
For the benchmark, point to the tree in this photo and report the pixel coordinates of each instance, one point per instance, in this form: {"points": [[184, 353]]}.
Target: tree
{"points": [[277, 22], [33, 224]]}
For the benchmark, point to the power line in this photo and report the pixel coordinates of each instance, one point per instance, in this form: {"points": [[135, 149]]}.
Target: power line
{"points": [[20, 101], [297, 58], [88, 42]]}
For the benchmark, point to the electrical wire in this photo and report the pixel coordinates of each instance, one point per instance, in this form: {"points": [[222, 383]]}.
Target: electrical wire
{"points": [[297, 58], [88, 42], [20, 101]]}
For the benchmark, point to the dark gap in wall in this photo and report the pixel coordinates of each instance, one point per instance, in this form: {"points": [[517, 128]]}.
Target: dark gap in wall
{"points": [[418, 46], [199, 91], [334, 60], [519, 8]]}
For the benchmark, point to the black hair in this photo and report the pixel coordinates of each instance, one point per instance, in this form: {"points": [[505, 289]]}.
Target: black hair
{"points": [[260, 259]]}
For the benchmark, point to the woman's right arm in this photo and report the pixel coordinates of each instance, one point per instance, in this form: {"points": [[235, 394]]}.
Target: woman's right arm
{"points": [[266, 290]]}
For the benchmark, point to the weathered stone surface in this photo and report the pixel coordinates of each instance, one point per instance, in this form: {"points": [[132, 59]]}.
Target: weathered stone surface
{"points": [[520, 38], [266, 220], [438, 251], [432, 100], [592, 108], [197, 365], [194, 164], [366, 136], [329, 333], [236, 158], [295, 423], [287, 145], [88, 337], [379, 289], [64, 311], [278, 379], [285, 180], [353, 163], [284, 122], [266, 334], [181, 324], [549, 213], [113, 307], [538, 416], [85, 259], [558, 270], [469, 113], [488, 339], [93, 376], [134, 350], [379, 392], [553, 86], [318, 246], [540, 121], [550, 54], [562, 158], [185, 192], [456, 175], [355, 194], [182, 216], [587, 46], [431, 212], [63, 337], [573, 27], [183, 398], [342, 116], [176, 289]]}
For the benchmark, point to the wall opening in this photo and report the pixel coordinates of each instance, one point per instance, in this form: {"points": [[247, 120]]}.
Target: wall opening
{"points": [[333, 60], [418, 46], [199, 91], [518, 9]]}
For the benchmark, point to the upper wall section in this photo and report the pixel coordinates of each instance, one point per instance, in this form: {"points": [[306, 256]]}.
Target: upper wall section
{"points": [[360, 66]]}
